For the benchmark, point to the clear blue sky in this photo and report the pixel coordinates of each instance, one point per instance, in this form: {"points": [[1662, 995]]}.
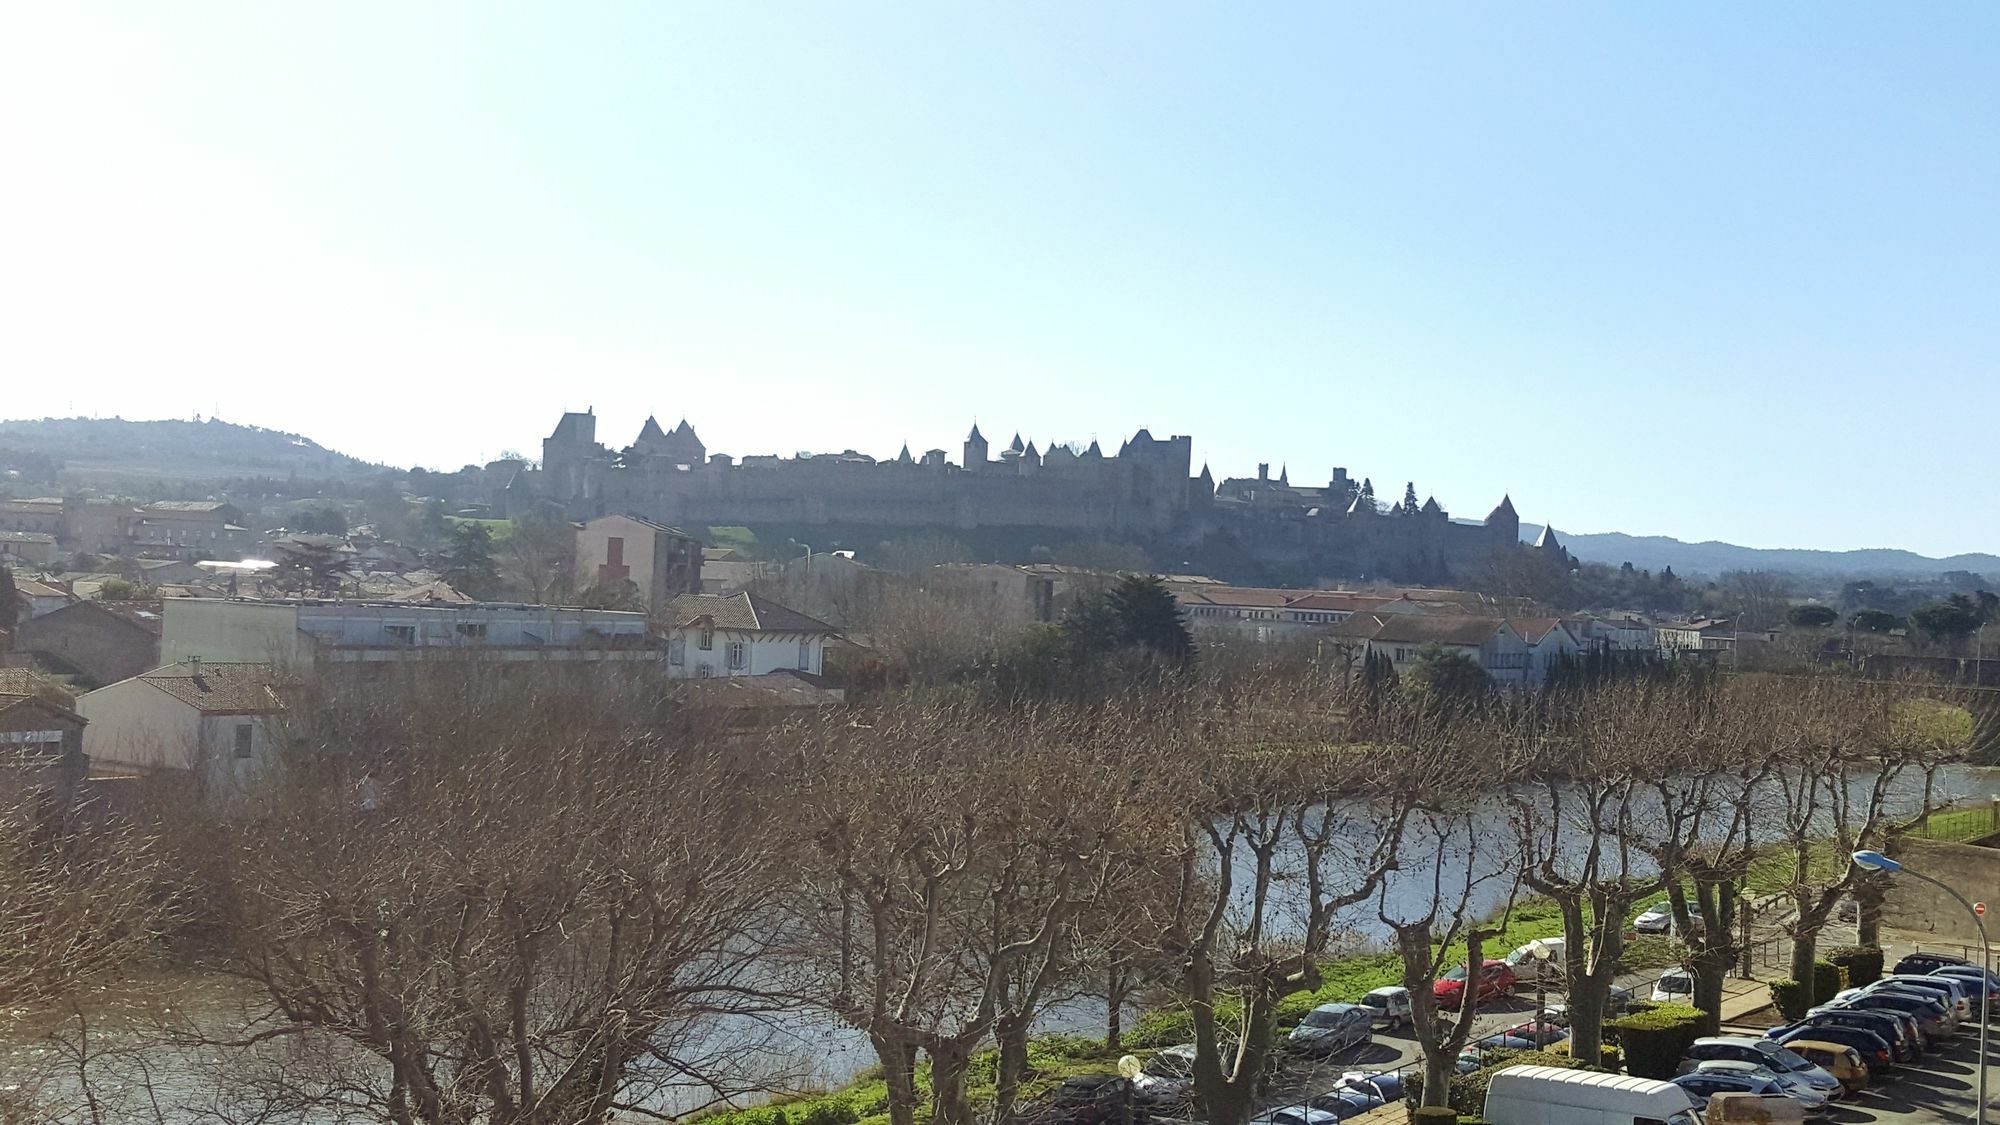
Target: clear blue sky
{"points": [[1716, 271]]}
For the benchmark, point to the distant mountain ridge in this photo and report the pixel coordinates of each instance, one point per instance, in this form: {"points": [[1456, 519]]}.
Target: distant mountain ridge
{"points": [[1656, 552], [169, 449]]}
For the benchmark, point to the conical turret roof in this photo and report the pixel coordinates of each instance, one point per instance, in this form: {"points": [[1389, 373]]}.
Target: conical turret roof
{"points": [[651, 431], [1505, 510]]}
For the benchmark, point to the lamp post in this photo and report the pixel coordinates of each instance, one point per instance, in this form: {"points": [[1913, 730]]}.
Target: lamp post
{"points": [[1876, 861]]}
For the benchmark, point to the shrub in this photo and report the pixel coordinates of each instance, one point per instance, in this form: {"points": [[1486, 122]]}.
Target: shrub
{"points": [[1789, 997], [1607, 1053], [1826, 981], [830, 1113], [1654, 1040], [1862, 962], [1164, 1028]]}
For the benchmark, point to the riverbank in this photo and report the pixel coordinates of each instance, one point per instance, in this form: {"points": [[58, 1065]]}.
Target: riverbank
{"points": [[1344, 979]]}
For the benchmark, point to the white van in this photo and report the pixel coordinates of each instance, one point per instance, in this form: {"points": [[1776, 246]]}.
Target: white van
{"points": [[1553, 1095]]}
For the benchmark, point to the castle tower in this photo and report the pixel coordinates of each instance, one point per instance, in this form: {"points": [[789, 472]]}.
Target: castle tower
{"points": [[1030, 460], [567, 455], [904, 457], [1503, 524], [683, 447], [975, 450]]}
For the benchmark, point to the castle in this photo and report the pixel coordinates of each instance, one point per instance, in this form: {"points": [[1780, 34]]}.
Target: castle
{"points": [[1144, 494]]}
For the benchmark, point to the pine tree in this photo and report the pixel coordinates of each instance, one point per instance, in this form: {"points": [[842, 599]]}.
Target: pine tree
{"points": [[10, 600], [1410, 505], [1367, 493], [1150, 618], [469, 563]]}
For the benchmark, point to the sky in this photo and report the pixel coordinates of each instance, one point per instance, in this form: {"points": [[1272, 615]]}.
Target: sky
{"points": [[1717, 271]]}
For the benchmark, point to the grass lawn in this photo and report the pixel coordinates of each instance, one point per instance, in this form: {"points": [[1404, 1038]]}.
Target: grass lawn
{"points": [[1959, 824]]}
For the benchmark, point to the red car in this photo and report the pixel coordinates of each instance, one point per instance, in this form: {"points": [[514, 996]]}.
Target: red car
{"points": [[1495, 979]]}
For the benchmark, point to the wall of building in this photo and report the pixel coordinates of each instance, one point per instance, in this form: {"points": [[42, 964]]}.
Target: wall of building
{"points": [[763, 654], [1918, 907], [55, 766], [231, 632], [133, 723], [99, 644]]}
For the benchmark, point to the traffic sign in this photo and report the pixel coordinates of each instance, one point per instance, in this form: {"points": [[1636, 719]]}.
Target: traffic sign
{"points": [[1979, 908]]}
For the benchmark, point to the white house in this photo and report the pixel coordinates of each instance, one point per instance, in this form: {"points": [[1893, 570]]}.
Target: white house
{"points": [[190, 716], [1399, 637], [1549, 642], [740, 635]]}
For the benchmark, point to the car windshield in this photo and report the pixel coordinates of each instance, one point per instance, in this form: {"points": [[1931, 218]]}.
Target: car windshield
{"points": [[1373, 1001], [1456, 974], [1168, 1064], [1676, 982], [1321, 1019], [1789, 1059]]}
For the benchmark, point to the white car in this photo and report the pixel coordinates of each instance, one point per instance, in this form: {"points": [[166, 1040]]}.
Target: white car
{"points": [[1675, 986], [1659, 919], [1541, 958]]}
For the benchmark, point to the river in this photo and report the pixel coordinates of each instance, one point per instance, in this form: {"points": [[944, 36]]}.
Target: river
{"points": [[141, 1079]]}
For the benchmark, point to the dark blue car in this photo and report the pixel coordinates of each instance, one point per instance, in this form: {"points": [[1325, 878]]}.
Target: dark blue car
{"points": [[1876, 1051]]}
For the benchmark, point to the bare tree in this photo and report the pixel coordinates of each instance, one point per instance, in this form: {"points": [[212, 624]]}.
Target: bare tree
{"points": [[519, 914]]}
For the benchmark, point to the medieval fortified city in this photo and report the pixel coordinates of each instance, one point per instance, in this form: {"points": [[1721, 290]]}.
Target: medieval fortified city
{"points": [[1174, 703]]}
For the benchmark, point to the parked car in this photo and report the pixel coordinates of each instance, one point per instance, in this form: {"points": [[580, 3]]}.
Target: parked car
{"points": [[1902, 1041], [1167, 1077], [1538, 1033], [1344, 1101], [1495, 979], [1296, 1115], [1387, 1083], [1618, 1001], [1547, 1095], [1929, 1013], [1676, 986], [1540, 959], [1905, 1024], [1926, 962], [1960, 994], [1975, 976], [1838, 1059], [1659, 919], [1792, 1068], [1089, 1099], [1809, 1099], [1389, 1007], [1875, 1050], [1330, 1028]]}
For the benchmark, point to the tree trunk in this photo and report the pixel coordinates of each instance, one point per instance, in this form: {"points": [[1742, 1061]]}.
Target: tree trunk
{"points": [[949, 1103], [1868, 917], [1710, 968], [899, 1074], [1588, 977], [1439, 1069], [1805, 950], [1011, 1033], [1114, 1008]]}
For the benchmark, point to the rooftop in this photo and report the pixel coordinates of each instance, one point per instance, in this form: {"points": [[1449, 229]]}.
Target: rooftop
{"points": [[742, 610], [1424, 628], [222, 689]]}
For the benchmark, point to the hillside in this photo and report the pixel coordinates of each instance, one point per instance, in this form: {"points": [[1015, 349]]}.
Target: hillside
{"points": [[1655, 552], [49, 451]]}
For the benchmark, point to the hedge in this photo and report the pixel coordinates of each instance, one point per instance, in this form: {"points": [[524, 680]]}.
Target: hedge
{"points": [[1862, 962], [1789, 997], [1468, 1091], [1827, 981], [1656, 1039], [1607, 1053]]}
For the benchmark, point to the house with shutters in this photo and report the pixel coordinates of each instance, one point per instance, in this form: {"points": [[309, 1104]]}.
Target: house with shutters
{"points": [[739, 634], [195, 715]]}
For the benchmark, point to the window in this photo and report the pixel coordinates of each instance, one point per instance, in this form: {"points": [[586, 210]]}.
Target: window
{"points": [[703, 671], [677, 651], [805, 656], [736, 654], [400, 634], [472, 630], [707, 640], [243, 737]]}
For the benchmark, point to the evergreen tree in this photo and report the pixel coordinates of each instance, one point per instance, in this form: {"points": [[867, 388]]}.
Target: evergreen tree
{"points": [[1150, 618], [1367, 493], [1410, 505], [469, 565], [10, 600]]}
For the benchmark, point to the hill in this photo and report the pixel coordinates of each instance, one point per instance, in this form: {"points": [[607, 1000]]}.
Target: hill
{"points": [[1655, 552], [48, 452]]}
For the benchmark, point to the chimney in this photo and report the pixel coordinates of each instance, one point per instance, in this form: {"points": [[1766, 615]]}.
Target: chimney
{"points": [[194, 667]]}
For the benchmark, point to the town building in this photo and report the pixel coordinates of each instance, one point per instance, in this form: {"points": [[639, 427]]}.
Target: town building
{"points": [[1400, 638], [34, 548], [294, 632], [662, 562], [190, 529], [41, 746], [216, 719], [37, 597], [96, 642], [740, 635]]}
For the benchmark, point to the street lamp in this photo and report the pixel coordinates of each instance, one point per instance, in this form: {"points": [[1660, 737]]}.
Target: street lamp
{"points": [[1876, 861]]}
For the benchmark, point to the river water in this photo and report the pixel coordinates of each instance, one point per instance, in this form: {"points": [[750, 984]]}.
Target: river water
{"points": [[140, 1079]]}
